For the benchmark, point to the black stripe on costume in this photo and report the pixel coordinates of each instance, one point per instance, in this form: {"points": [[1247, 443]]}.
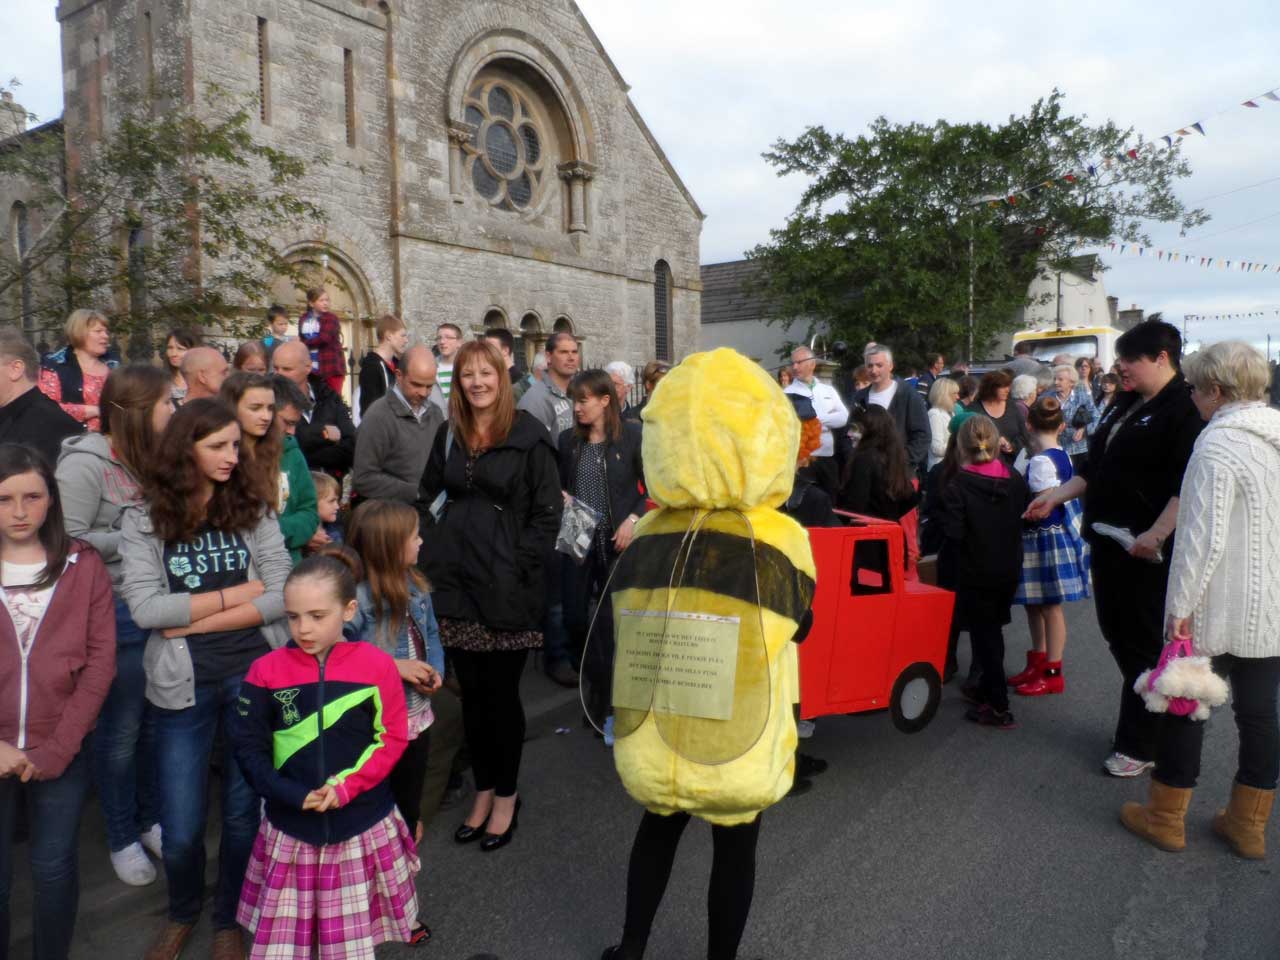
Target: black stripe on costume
{"points": [[720, 563]]}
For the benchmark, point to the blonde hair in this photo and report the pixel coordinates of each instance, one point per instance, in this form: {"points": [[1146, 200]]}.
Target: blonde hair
{"points": [[944, 393], [325, 485], [1239, 371], [78, 324], [978, 440]]}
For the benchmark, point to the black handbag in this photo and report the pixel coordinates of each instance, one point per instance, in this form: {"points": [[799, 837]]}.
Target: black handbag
{"points": [[1082, 417]]}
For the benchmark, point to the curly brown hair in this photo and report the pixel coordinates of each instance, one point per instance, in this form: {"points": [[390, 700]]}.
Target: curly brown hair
{"points": [[176, 513]]}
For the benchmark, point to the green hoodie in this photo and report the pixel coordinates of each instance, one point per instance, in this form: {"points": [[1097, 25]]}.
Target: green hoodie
{"points": [[298, 516]]}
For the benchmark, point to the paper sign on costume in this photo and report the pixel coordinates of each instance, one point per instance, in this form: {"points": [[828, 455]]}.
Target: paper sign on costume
{"points": [[699, 662]]}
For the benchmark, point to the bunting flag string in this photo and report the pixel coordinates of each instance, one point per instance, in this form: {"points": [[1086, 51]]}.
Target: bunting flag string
{"points": [[1239, 315], [1192, 259], [1131, 155]]}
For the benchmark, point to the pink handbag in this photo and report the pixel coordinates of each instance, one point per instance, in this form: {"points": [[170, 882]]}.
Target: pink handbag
{"points": [[1182, 683]]}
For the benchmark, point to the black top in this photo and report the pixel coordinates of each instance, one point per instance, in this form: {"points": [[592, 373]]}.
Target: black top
{"points": [[214, 560], [332, 457], [1012, 426], [809, 505], [911, 415], [35, 420], [376, 378], [983, 527], [864, 489], [485, 557], [624, 470], [1132, 478]]}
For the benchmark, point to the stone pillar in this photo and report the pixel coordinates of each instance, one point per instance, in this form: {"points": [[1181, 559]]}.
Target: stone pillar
{"points": [[577, 174], [459, 134]]}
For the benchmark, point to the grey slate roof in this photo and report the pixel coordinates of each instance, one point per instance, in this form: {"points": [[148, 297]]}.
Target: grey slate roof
{"points": [[723, 296]]}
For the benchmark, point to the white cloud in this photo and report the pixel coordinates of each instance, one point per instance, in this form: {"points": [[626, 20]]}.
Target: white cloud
{"points": [[718, 81]]}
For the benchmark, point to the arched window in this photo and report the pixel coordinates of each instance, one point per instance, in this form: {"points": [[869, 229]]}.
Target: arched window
{"points": [[512, 150], [663, 347], [494, 317], [562, 325], [529, 342], [21, 227]]}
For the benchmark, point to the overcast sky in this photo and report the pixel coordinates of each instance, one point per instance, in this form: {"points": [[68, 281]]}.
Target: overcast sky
{"points": [[719, 81]]}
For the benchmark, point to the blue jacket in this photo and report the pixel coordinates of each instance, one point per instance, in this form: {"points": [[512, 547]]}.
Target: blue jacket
{"points": [[365, 626]]}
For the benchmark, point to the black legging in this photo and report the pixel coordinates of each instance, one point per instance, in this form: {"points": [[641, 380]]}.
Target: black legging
{"points": [[408, 776], [492, 715], [582, 584], [733, 881], [1129, 600]]}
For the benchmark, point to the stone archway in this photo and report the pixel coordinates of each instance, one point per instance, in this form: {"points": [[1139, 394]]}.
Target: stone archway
{"points": [[349, 297]]}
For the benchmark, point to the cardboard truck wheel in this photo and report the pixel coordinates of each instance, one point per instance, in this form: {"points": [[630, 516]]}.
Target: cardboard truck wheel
{"points": [[915, 697]]}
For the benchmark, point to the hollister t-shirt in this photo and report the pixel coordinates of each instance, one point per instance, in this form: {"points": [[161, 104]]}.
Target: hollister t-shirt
{"points": [[214, 560]]}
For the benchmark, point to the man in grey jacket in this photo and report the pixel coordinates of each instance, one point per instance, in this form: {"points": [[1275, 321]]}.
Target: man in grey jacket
{"points": [[396, 434], [548, 398]]}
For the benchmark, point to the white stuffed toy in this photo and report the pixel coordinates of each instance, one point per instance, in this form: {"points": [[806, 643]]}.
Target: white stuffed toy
{"points": [[1181, 683]]}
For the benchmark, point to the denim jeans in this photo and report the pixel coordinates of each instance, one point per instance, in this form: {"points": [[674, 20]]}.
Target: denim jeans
{"points": [[53, 812], [184, 749], [555, 637], [123, 748]]}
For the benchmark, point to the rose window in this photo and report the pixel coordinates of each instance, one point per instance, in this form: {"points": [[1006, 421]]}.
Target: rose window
{"points": [[505, 152]]}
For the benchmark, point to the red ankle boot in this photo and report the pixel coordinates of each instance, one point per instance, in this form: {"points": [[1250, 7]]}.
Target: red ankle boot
{"points": [[1049, 680], [1035, 660]]}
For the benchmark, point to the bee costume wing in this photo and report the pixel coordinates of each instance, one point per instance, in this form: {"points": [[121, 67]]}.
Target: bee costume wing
{"points": [[688, 639]]}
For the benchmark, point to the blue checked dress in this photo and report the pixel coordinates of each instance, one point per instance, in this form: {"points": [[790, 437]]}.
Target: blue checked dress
{"points": [[1055, 565]]}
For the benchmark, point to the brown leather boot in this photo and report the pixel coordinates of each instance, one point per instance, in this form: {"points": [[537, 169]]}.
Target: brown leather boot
{"points": [[1244, 823], [169, 942], [228, 945], [1161, 821]]}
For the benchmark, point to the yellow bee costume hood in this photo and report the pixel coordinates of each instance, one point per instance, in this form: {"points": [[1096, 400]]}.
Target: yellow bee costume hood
{"points": [[709, 596]]}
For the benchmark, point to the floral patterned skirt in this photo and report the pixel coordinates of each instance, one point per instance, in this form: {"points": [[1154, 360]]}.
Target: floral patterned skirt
{"points": [[476, 637]]}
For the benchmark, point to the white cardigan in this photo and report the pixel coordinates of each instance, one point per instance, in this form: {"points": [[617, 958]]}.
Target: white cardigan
{"points": [[1226, 555]]}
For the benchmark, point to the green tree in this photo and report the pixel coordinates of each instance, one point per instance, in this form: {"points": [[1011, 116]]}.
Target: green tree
{"points": [[878, 246], [175, 216]]}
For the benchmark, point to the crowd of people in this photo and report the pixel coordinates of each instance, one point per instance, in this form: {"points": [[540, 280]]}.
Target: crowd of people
{"points": [[192, 542]]}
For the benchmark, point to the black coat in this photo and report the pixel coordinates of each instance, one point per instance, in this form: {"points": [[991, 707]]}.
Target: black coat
{"points": [[982, 555], [910, 413], [1132, 478], [332, 457], [623, 467], [485, 558], [376, 378], [810, 506], [864, 490], [35, 420]]}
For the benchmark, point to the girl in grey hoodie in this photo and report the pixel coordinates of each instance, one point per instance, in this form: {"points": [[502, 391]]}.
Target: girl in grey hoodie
{"points": [[99, 476]]}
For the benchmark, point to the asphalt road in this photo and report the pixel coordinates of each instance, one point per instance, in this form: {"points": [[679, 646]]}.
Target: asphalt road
{"points": [[957, 843]]}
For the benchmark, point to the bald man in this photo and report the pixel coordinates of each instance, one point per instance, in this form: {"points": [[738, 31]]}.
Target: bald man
{"points": [[204, 369], [326, 434], [397, 432]]}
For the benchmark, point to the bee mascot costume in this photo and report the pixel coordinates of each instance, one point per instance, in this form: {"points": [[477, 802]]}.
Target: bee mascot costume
{"points": [[706, 603]]}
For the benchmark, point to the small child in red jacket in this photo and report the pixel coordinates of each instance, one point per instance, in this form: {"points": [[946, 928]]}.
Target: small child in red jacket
{"points": [[332, 870], [57, 660]]}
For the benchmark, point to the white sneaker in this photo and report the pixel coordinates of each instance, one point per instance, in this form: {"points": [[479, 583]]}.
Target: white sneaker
{"points": [[152, 840], [1123, 765], [805, 728], [132, 866]]}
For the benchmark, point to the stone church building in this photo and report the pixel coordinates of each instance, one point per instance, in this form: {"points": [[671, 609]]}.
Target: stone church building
{"points": [[487, 165]]}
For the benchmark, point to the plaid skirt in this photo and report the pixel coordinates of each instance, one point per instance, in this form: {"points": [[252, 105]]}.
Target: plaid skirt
{"points": [[334, 902], [1055, 563]]}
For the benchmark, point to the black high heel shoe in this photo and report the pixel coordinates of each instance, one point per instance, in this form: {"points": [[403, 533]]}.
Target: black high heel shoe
{"points": [[469, 834], [496, 841]]}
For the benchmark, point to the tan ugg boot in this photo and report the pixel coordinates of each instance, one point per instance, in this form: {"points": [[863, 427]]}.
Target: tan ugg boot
{"points": [[1161, 820], [1244, 823]]}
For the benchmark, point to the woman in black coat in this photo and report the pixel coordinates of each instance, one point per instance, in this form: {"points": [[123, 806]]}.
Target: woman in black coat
{"points": [[600, 465], [878, 481], [484, 559]]}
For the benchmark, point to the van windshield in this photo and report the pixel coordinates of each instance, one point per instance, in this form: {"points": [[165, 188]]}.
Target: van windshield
{"points": [[1076, 346]]}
